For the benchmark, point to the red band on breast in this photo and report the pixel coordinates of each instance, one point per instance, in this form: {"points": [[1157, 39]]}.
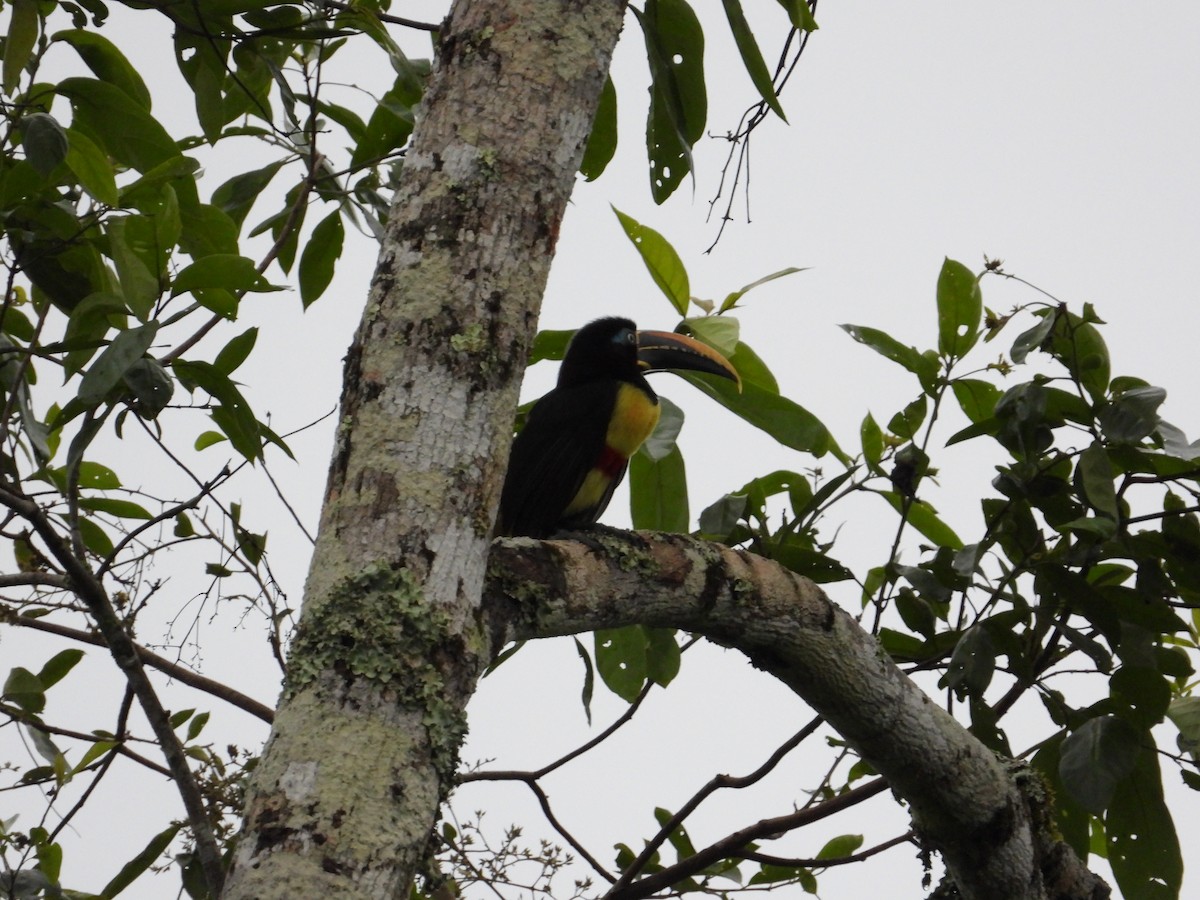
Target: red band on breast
{"points": [[610, 462]]}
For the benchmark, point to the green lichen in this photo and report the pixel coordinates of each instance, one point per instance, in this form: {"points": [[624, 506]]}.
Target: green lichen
{"points": [[487, 163], [471, 340], [742, 589], [377, 626], [626, 549]]}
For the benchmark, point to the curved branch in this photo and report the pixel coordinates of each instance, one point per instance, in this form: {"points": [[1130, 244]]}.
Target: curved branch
{"points": [[965, 803]]}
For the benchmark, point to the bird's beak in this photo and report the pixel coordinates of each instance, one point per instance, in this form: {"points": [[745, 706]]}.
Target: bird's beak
{"points": [[658, 350]]}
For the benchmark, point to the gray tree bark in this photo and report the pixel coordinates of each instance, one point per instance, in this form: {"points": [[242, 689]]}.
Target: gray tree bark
{"points": [[365, 741]]}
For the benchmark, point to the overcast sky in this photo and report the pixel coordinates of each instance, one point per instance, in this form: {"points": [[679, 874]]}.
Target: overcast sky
{"points": [[1060, 138]]}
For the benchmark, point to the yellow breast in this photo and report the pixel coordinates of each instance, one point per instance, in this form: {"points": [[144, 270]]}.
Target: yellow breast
{"points": [[633, 420]]}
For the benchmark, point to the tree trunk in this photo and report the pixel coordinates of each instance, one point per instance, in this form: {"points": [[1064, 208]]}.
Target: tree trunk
{"points": [[388, 650]]}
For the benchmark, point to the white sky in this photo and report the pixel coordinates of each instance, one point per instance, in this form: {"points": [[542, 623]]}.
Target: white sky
{"points": [[1062, 139]]}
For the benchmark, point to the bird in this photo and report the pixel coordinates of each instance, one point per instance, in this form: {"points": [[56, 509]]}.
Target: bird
{"points": [[577, 440]]}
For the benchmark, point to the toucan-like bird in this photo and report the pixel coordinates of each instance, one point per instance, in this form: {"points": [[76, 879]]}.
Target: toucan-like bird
{"points": [[577, 440]]}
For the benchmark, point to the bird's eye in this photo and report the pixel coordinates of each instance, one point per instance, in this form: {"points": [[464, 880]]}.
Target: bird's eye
{"points": [[625, 336]]}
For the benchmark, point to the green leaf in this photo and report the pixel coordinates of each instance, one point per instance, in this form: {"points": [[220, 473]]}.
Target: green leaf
{"points": [[92, 475], [871, 436], [752, 369], [678, 836], [237, 195], [226, 271], [589, 677], [107, 63], [128, 239], [151, 386], [18, 43], [140, 863], [46, 749], [922, 517], [960, 308], [95, 538], [106, 372], [183, 526], [118, 123], [1096, 478], [718, 520], [235, 352], [752, 57], [44, 140], [1133, 415], [678, 102], [925, 368], [972, 664], [91, 167], [842, 845], [602, 141], [662, 441], [719, 332], [1034, 338], [208, 438], [658, 498], [175, 169], [390, 124], [801, 17], [93, 753], [320, 254], [621, 660], [976, 398], [905, 423], [196, 725], [57, 667], [1095, 758], [1144, 692], [25, 689], [1078, 345], [731, 300], [1184, 712], [1143, 848], [666, 268], [122, 509], [662, 655], [786, 421], [234, 416]]}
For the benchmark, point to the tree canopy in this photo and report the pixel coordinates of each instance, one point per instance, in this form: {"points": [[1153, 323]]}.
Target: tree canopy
{"points": [[1069, 603]]}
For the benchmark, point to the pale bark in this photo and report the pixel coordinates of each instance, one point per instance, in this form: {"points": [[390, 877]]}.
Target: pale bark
{"points": [[365, 741], [965, 802]]}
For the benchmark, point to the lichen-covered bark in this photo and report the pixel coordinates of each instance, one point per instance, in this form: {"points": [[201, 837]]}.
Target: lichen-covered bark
{"points": [[364, 742], [964, 800]]}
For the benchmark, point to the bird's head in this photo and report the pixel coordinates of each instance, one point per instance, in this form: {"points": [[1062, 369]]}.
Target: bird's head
{"points": [[613, 348]]}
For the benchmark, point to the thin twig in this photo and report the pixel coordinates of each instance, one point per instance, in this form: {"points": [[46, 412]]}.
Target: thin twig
{"points": [[733, 844], [715, 784], [148, 657]]}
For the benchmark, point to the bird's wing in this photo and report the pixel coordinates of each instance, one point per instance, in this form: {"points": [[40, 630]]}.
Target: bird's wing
{"points": [[552, 455]]}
